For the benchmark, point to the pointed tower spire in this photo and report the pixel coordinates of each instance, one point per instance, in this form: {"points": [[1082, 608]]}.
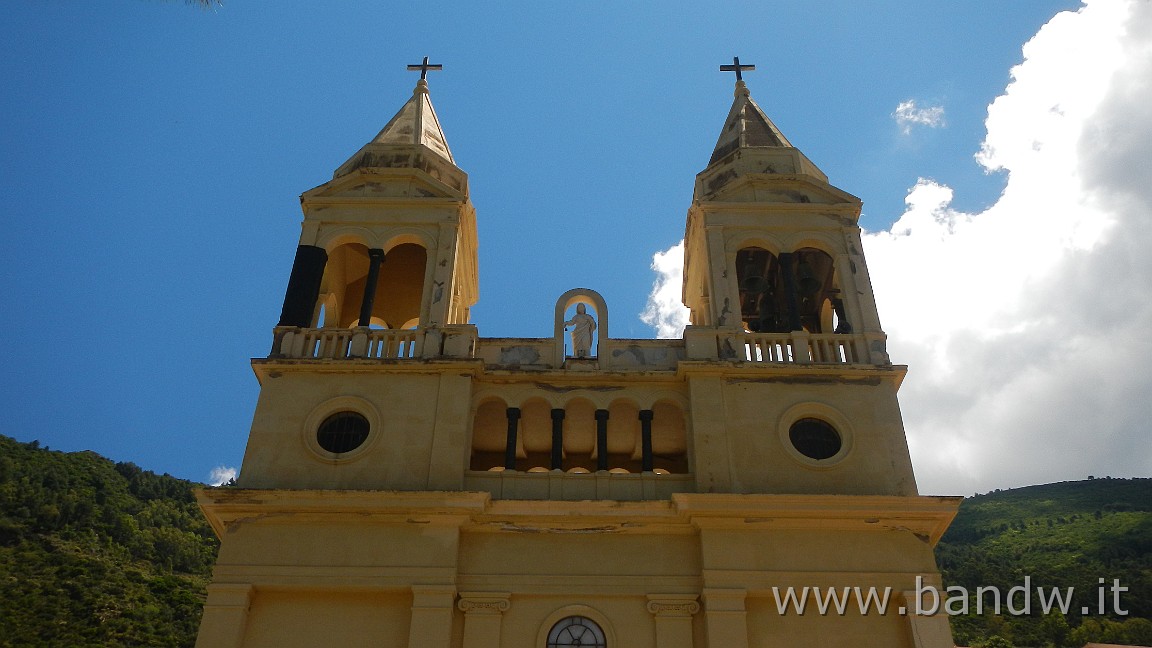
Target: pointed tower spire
{"points": [[746, 126], [414, 125], [750, 144]]}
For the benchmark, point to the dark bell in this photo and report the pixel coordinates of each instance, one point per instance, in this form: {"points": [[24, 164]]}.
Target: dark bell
{"points": [[807, 279], [754, 284]]}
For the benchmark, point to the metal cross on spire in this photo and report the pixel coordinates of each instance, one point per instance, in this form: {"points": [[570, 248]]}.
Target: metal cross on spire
{"points": [[735, 67], [425, 66]]}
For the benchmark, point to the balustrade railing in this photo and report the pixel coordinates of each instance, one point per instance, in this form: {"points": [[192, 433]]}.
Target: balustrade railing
{"points": [[461, 342], [338, 344], [835, 349], [788, 348]]}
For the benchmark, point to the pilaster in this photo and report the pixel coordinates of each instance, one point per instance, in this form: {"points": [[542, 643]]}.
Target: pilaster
{"points": [[673, 616], [726, 618], [928, 630], [709, 440], [225, 615], [483, 615], [723, 300], [449, 432], [431, 625]]}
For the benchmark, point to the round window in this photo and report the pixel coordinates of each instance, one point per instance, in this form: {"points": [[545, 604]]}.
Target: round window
{"points": [[342, 432], [814, 438]]}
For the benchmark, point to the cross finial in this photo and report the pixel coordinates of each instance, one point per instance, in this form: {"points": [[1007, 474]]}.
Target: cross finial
{"points": [[425, 66], [735, 67]]}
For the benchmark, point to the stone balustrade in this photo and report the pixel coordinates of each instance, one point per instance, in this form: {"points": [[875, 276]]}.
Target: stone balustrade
{"points": [[461, 341], [340, 344], [797, 347]]}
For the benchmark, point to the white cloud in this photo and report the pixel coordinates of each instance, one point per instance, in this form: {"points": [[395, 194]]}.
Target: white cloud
{"points": [[1027, 327], [908, 114], [665, 311], [221, 475]]}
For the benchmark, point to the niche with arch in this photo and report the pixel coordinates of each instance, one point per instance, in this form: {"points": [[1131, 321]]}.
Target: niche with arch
{"points": [[567, 308]]}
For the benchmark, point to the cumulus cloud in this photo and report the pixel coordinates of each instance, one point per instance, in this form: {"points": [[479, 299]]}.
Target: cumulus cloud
{"points": [[221, 475], [1027, 327], [665, 311], [908, 114]]}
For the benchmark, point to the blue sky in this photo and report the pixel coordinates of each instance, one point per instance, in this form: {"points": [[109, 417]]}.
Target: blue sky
{"points": [[152, 155]]}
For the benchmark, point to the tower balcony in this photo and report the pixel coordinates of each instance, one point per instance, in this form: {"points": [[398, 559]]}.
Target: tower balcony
{"points": [[462, 341], [330, 343], [796, 347]]}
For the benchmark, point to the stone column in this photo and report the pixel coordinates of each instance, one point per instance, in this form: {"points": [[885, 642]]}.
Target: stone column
{"points": [[510, 445], [791, 298], [375, 258], [225, 615], [673, 619], [431, 625], [646, 464], [303, 286], [483, 613], [601, 439], [557, 439], [726, 618]]}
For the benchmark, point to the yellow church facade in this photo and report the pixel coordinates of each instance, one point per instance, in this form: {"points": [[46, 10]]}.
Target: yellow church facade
{"points": [[410, 483]]}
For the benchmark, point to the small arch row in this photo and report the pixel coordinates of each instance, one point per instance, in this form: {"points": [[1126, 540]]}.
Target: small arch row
{"points": [[536, 436]]}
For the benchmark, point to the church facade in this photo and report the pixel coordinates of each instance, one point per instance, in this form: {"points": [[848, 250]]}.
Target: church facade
{"points": [[408, 482]]}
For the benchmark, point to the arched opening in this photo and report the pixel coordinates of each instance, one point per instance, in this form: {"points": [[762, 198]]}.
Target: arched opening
{"points": [[579, 435], [669, 438], [399, 285], [815, 289], [624, 436], [489, 435], [763, 299], [789, 292], [535, 439]]}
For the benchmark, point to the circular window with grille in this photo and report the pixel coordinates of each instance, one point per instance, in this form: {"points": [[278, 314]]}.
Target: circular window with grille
{"points": [[343, 432], [815, 438], [576, 631]]}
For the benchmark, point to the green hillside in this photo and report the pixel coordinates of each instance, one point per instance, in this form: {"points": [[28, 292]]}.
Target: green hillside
{"points": [[97, 553], [1069, 534]]}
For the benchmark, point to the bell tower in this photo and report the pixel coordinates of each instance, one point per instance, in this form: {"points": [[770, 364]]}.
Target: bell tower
{"points": [[409, 483], [390, 241], [770, 245]]}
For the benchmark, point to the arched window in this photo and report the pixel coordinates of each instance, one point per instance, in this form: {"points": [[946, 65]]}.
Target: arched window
{"points": [[576, 631]]}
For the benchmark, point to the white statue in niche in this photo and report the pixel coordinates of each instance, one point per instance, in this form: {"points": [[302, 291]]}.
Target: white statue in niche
{"points": [[582, 327]]}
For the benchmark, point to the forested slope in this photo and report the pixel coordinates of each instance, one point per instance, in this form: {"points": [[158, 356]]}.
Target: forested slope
{"points": [[1068, 534], [96, 553]]}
